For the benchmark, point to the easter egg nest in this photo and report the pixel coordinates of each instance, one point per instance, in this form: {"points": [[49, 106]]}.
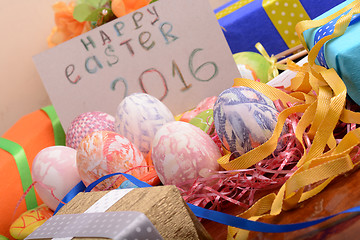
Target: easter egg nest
{"points": [[243, 187]]}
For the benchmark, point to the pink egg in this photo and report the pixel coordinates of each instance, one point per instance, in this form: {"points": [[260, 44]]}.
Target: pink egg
{"points": [[103, 152], [87, 123], [182, 152], [54, 168]]}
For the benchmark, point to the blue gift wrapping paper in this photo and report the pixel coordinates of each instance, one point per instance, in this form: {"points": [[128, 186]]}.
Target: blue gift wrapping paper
{"points": [[342, 53], [250, 24]]}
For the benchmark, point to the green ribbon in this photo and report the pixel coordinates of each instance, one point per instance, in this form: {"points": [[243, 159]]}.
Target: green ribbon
{"points": [[59, 133], [24, 170], [21, 161]]}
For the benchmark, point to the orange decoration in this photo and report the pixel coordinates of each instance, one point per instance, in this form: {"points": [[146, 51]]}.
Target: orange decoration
{"points": [[66, 26], [123, 7], [151, 177], [33, 132]]}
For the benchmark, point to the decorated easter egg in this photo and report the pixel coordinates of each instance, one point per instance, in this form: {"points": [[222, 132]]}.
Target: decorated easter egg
{"points": [[87, 123], [55, 173], [244, 119], [182, 152], [138, 117], [204, 120], [253, 66], [29, 221], [207, 103], [103, 152]]}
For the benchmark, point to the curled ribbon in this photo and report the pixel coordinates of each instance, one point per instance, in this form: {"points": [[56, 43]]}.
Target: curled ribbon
{"points": [[324, 93], [274, 65]]}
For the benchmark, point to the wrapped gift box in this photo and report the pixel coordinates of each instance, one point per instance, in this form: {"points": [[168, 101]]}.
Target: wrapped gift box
{"points": [[30, 134], [340, 53], [98, 225], [270, 22], [163, 206]]}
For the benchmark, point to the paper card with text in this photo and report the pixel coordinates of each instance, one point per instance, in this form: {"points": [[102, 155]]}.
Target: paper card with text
{"points": [[173, 50]]}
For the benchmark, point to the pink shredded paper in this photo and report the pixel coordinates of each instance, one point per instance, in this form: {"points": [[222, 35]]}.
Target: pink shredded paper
{"points": [[243, 187]]}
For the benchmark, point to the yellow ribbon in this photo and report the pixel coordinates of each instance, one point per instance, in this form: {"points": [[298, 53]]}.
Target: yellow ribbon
{"points": [[274, 65], [307, 24], [320, 95], [284, 15], [232, 8]]}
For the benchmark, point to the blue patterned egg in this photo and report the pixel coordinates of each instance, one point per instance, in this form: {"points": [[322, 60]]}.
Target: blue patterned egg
{"points": [[138, 118], [244, 119]]}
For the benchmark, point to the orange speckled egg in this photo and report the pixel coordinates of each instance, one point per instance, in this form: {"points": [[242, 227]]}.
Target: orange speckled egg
{"points": [[29, 221], [104, 152]]}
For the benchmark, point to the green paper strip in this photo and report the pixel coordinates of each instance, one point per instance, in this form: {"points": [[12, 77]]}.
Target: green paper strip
{"points": [[24, 170], [59, 133]]}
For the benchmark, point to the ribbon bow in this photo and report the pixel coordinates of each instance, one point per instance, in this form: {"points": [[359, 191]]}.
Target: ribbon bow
{"points": [[274, 65]]}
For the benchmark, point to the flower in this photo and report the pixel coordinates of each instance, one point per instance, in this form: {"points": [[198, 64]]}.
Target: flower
{"points": [[66, 26], [81, 16], [123, 7]]}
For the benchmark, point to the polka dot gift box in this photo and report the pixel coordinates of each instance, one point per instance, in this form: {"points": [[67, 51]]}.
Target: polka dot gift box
{"points": [[341, 53], [270, 22]]}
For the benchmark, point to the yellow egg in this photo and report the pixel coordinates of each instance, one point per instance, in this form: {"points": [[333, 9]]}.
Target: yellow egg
{"points": [[29, 221]]}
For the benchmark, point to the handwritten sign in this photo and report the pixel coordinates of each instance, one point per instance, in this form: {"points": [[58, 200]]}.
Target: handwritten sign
{"points": [[173, 50]]}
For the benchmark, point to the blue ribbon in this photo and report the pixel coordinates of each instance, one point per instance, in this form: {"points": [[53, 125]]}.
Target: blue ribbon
{"points": [[132, 179], [328, 29], [259, 226], [212, 215], [80, 187]]}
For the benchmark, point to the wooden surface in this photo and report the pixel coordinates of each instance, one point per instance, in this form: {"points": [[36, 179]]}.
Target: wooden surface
{"points": [[342, 194]]}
